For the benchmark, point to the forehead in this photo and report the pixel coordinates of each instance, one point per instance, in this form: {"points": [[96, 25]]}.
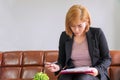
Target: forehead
{"points": [[76, 21]]}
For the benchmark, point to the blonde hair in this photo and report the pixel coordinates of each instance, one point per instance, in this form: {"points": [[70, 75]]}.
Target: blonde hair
{"points": [[71, 15]]}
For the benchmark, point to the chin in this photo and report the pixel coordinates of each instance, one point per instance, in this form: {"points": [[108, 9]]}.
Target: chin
{"points": [[77, 34]]}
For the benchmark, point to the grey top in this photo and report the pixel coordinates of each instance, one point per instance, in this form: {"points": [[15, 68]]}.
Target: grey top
{"points": [[80, 54]]}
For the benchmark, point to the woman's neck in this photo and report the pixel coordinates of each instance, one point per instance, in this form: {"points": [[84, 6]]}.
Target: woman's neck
{"points": [[79, 39]]}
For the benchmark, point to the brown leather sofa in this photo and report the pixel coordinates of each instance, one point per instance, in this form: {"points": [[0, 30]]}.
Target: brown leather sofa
{"points": [[22, 65]]}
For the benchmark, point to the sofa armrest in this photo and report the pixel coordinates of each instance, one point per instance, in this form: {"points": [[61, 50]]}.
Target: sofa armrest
{"points": [[115, 54], [114, 70]]}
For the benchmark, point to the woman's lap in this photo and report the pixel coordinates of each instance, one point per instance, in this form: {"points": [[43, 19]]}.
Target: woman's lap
{"points": [[65, 77], [77, 77], [85, 77]]}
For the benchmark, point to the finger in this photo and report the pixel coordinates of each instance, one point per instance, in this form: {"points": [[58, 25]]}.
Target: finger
{"points": [[47, 63], [52, 65], [52, 69], [47, 66]]}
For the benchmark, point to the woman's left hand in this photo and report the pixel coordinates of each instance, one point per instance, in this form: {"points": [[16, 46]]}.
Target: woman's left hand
{"points": [[94, 70]]}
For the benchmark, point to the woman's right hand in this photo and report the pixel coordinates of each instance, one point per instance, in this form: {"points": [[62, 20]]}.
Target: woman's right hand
{"points": [[52, 67]]}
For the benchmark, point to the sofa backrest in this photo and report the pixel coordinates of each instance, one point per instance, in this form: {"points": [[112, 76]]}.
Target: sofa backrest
{"points": [[11, 65], [22, 65]]}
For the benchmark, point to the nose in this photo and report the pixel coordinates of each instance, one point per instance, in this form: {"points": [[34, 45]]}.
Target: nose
{"points": [[76, 29]]}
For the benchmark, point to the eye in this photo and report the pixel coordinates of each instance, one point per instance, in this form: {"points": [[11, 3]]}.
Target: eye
{"points": [[80, 26], [72, 26]]}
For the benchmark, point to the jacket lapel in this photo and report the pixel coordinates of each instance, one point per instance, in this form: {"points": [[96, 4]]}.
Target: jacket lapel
{"points": [[68, 48], [91, 45]]}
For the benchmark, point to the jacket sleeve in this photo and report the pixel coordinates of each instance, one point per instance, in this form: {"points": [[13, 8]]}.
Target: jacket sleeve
{"points": [[105, 58], [62, 54]]}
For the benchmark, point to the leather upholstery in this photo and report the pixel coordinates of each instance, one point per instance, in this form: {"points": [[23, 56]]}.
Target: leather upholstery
{"points": [[50, 56], [33, 58], [22, 65], [28, 72], [114, 69], [10, 73], [12, 58]]}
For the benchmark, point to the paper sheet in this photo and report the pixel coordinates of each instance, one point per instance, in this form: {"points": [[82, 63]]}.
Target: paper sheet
{"points": [[85, 69]]}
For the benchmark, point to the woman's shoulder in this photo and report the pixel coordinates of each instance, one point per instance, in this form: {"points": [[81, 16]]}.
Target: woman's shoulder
{"points": [[64, 35], [95, 30]]}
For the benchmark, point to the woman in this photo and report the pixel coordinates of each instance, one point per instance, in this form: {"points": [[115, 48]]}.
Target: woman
{"points": [[81, 45]]}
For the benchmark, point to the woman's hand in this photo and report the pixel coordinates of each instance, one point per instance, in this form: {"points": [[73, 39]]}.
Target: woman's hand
{"points": [[94, 70], [52, 67]]}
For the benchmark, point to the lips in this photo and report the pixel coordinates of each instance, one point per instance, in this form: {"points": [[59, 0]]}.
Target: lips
{"points": [[77, 33]]}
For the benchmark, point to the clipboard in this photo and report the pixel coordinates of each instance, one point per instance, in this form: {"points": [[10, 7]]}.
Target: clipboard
{"points": [[76, 70]]}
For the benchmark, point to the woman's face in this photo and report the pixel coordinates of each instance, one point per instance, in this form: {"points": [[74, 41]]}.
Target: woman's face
{"points": [[78, 27]]}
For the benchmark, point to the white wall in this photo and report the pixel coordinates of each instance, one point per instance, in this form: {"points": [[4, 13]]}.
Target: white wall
{"points": [[117, 25], [37, 24]]}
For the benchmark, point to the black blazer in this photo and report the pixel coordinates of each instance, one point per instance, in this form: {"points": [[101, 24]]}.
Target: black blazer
{"points": [[98, 50]]}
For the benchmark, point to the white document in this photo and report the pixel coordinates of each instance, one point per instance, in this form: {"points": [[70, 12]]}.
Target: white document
{"points": [[85, 69]]}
